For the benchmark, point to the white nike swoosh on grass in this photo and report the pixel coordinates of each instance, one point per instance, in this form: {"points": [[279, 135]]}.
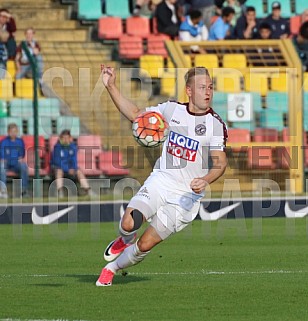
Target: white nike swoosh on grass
{"points": [[214, 216], [295, 214], [50, 218]]}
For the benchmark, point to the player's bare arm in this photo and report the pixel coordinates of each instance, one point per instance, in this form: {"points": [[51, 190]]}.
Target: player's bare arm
{"points": [[126, 107], [219, 160]]}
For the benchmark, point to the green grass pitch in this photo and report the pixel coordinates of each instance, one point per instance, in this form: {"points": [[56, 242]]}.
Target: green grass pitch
{"points": [[237, 270]]}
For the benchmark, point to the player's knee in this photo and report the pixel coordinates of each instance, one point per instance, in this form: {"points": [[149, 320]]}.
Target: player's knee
{"points": [[144, 245]]}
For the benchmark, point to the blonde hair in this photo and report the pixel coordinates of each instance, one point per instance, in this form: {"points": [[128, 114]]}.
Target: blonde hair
{"points": [[196, 71]]}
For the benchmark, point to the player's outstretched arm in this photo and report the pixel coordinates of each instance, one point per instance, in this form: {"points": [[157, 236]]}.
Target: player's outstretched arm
{"points": [[219, 160], [126, 107]]}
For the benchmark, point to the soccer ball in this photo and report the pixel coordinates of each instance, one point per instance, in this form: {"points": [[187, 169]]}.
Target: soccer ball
{"points": [[150, 129]]}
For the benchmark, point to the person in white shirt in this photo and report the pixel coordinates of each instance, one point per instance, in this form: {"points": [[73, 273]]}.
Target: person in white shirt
{"points": [[170, 197]]}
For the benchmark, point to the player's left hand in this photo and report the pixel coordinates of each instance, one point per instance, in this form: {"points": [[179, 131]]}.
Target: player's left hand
{"points": [[198, 185]]}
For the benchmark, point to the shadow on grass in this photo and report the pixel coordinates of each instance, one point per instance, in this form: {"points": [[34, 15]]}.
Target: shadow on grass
{"points": [[123, 278]]}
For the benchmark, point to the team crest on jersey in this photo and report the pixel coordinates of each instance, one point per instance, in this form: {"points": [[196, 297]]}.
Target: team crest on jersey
{"points": [[182, 146], [200, 130]]}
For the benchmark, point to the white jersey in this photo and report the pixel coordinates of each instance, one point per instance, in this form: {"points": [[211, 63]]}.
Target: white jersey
{"points": [[185, 153]]}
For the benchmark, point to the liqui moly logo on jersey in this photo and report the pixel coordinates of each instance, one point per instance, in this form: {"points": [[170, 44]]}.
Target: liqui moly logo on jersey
{"points": [[182, 146]]}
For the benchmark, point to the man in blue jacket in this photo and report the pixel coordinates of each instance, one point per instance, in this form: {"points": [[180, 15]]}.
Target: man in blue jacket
{"points": [[12, 152], [64, 162]]}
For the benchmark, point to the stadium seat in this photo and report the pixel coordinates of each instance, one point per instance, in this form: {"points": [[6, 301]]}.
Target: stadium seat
{"points": [[256, 82], [262, 157], [300, 6], [5, 121], [258, 5], [279, 82], [24, 88], [220, 104], [130, 47], [3, 108], [234, 61], [11, 68], [52, 141], [138, 26], [30, 154], [295, 23], [210, 61], [272, 119], [119, 8], [68, 122], [277, 101], [285, 7], [168, 84], [110, 163], [110, 28], [156, 45], [229, 81], [49, 107], [6, 89], [237, 135], [250, 125], [305, 81], [91, 143], [151, 66], [87, 164], [44, 126], [89, 12]]}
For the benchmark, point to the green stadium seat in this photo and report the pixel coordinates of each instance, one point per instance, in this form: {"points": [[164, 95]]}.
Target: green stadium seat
{"points": [[68, 122], [300, 6], [119, 8], [3, 108], [250, 125], [89, 10], [277, 101], [5, 121], [272, 119], [44, 126], [258, 5], [220, 104], [285, 7]]}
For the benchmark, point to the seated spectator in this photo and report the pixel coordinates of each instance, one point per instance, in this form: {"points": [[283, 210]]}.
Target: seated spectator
{"points": [[12, 152], [280, 26], [64, 163], [193, 29], [168, 19], [221, 27], [207, 8], [4, 35], [23, 67], [235, 4], [7, 23], [145, 7], [246, 25], [301, 44], [264, 31]]}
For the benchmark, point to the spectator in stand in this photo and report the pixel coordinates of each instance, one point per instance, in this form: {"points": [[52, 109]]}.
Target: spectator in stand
{"points": [[221, 27], [145, 7], [12, 152], [23, 67], [206, 7], [64, 163], [301, 44], [265, 31], [193, 29], [304, 16], [4, 35], [235, 4], [247, 25], [7, 23], [280, 26], [168, 18]]}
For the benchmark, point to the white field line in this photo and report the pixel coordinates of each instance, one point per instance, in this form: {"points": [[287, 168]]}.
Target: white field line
{"points": [[202, 272]]}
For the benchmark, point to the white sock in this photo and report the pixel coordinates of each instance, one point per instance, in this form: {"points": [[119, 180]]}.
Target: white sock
{"points": [[126, 236], [130, 256]]}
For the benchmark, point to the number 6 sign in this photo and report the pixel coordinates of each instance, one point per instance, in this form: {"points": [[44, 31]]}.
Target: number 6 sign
{"points": [[240, 107]]}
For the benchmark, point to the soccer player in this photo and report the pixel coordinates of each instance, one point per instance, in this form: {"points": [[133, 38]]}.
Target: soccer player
{"points": [[170, 197]]}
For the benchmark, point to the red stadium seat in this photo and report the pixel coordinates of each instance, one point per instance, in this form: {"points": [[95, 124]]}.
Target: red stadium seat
{"points": [[238, 135], [295, 23], [52, 142], [110, 28], [30, 154], [156, 45], [110, 163], [90, 143], [262, 157], [130, 47], [138, 26]]}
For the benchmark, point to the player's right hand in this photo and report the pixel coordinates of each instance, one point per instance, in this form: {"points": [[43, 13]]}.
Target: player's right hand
{"points": [[108, 75]]}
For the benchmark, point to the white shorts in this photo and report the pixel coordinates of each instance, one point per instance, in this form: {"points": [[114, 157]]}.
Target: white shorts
{"points": [[169, 209]]}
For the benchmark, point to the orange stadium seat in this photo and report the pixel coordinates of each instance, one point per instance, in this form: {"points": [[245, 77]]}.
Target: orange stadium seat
{"points": [[110, 28], [138, 26], [156, 45], [130, 47]]}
